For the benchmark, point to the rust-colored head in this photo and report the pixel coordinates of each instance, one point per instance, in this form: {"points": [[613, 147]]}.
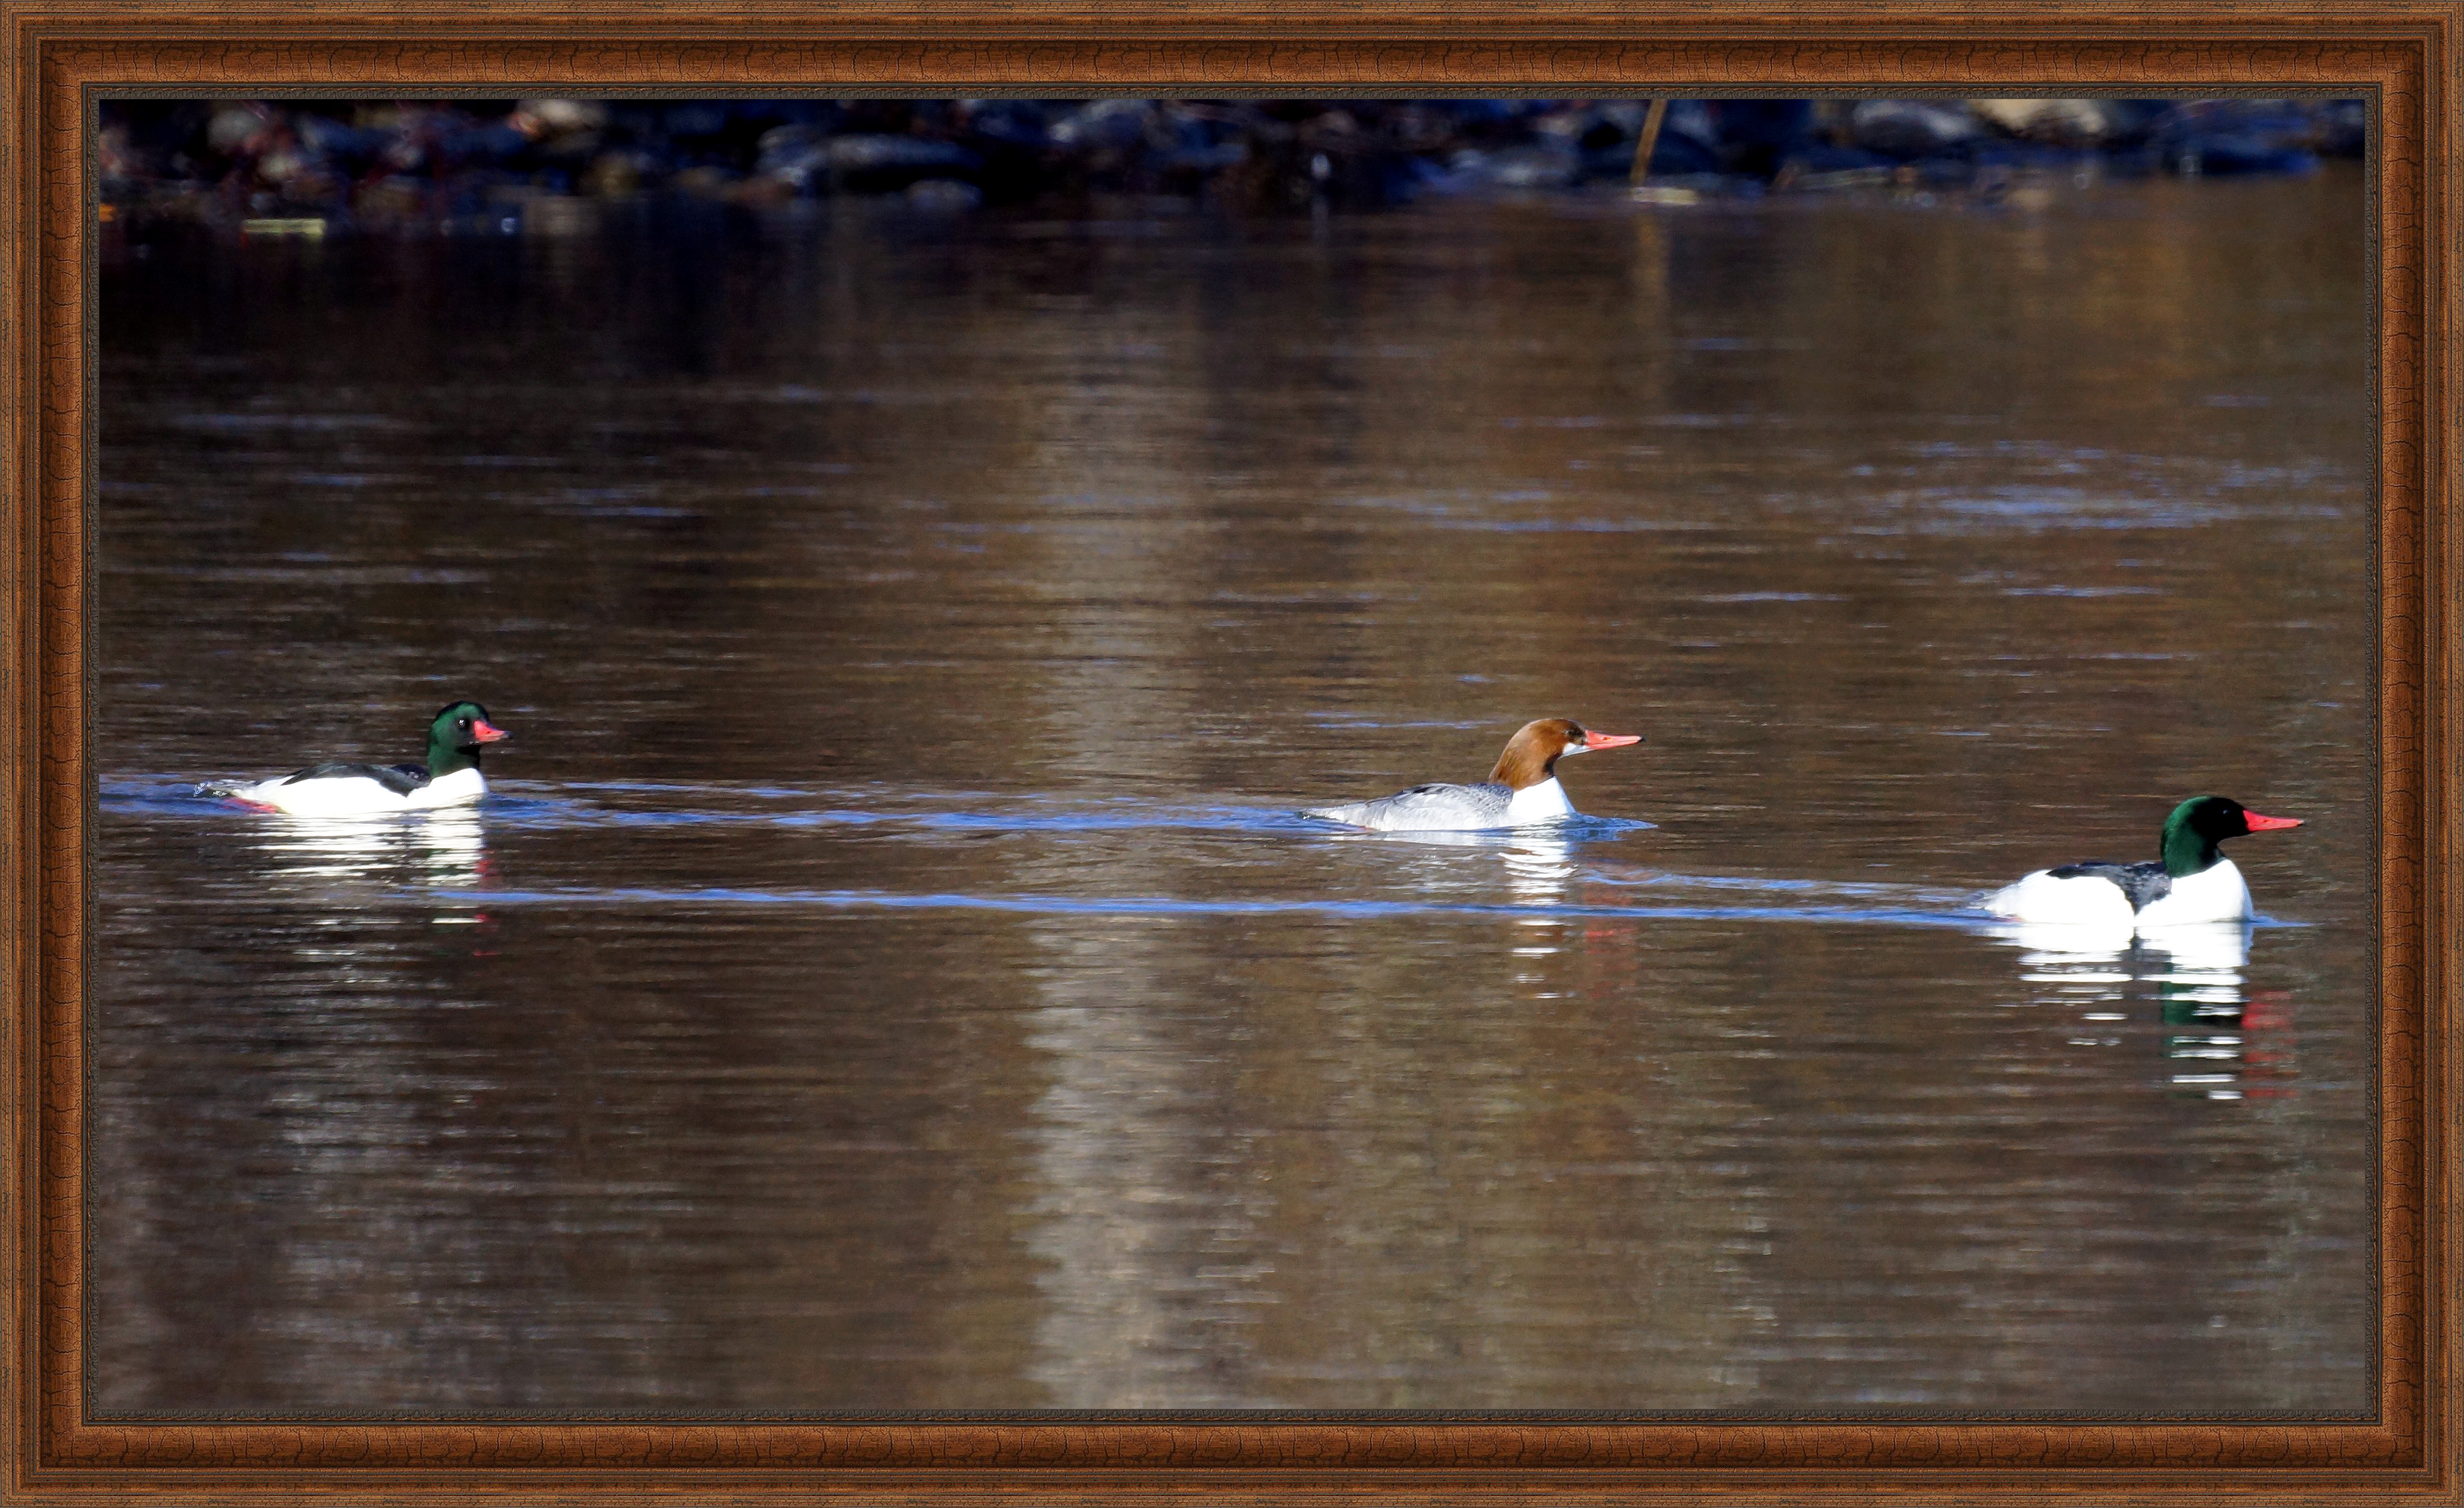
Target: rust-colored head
{"points": [[1532, 754]]}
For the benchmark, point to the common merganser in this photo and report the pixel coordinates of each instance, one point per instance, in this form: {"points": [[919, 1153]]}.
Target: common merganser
{"points": [[1521, 791], [450, 778], [2193, 883]]}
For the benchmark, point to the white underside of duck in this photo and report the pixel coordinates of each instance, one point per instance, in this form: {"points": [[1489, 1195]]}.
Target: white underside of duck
{"points": [[360, 795], [1456, 808], [2215, 894]]}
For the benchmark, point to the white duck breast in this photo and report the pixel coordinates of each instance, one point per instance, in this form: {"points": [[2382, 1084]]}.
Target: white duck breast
{"points": [[1522, 790], [2216, 894], [1545, 802]]}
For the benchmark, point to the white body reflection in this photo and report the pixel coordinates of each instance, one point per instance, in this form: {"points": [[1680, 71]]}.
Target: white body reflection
{"points": [[1538, 865], [2194, 976], [445, 849], [2217, 949], [2215, 946], [2068, 948], [1537, 868]]}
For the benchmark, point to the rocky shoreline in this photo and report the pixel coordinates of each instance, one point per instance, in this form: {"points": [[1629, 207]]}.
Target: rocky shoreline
{"points": [[539, 166]]}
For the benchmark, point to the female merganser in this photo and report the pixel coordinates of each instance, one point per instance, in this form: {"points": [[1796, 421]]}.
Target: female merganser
{"points": [[2193, 882], [1522, 789], [450, 778]]}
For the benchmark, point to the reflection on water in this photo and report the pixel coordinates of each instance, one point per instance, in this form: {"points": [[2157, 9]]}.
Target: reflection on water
{"points": [[1537, 868], [1536, 862], [2233, 1043], [445, 849], [1143, 1232], [895, 976]]}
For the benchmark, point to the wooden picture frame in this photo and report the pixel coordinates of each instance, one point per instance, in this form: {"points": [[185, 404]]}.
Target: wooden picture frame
{"points": [[2402, 57]]}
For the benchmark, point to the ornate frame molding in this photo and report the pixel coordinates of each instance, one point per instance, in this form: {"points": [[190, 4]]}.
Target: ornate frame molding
{"points": [[60, 55]]}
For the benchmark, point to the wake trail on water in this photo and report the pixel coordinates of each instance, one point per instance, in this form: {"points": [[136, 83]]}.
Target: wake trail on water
{"points": [[1573, 852], [1165, 905]]}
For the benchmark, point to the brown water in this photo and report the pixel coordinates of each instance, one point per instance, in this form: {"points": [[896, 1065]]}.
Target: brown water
{"points": [[889, 973]]}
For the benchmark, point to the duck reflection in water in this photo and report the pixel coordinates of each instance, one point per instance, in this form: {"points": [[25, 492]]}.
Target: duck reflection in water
{"points": [[2227, 1042], [1537, 868], [354, 860], [1538, 865]]}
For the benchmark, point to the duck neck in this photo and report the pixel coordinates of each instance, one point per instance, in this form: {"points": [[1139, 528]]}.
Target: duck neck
{"points": [[2188, 851], [1522, 766], [445, 759]]}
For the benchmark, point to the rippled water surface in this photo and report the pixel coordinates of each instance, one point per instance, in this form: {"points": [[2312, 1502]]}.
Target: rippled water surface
{"points": [[890, 972]]}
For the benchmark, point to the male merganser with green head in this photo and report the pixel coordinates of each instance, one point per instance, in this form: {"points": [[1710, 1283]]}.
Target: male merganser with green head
{"points": [[2193, 882], [450, 778], [1521, 791]]}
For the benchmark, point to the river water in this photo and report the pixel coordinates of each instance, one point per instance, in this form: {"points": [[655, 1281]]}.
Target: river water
{"points": [[889, 973]]}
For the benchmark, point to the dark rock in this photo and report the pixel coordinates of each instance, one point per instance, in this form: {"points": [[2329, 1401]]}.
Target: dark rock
{"points": [[883, 164], [1755, 136], [1522, 167], [2051, 123], [455, 166], [1913, 128], [2220, 136]]}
